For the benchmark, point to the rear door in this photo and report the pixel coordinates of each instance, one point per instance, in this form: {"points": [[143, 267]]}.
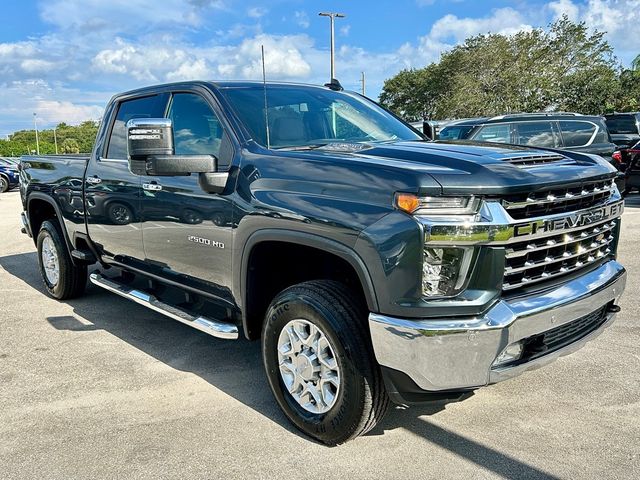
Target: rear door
{"points": [[187, 231], [112, 192]]}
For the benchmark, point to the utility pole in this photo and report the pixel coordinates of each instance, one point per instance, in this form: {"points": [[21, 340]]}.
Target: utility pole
{"points": [[332, 16], [364, 90], [35, 124], [55, 139]]}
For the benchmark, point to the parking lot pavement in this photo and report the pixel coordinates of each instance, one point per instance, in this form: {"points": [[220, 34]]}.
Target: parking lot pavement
{"points": [[102, 388]]}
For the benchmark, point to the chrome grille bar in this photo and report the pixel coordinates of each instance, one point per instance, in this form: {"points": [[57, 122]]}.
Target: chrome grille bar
{"points": [[566, 239], [558, 196], [530, 262]]}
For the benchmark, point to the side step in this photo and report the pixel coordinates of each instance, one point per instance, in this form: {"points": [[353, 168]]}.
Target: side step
{"points": [[214, 328]]}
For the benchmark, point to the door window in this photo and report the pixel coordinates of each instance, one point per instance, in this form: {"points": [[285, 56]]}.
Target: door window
{"points": [[494, 133], [576, 134], [536, 134], [145, 107], [622, 124], [196, 129]]}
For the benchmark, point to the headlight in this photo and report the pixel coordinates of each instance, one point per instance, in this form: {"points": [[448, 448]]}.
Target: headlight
{"points": [[413, 204], [444, 270]]}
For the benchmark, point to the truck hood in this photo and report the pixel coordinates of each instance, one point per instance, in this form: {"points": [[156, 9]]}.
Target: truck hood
{"points": [[465, 167]]}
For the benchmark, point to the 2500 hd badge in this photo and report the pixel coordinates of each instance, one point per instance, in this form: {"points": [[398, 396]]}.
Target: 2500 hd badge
{"points": [[205, 241]]}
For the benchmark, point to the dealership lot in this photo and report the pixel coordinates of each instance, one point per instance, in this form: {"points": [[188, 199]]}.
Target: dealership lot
{"points": [[102, 388]]}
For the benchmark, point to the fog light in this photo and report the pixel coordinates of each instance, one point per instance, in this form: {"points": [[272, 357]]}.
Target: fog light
{"points": [[444, 270], [510, 354]]}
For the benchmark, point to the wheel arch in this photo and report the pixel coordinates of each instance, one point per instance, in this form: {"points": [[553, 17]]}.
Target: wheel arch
{"points": [[41, 207], [321, 247]]}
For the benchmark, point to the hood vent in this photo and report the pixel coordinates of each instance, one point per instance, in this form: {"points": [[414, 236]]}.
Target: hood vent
{"points": [[534, 160]]}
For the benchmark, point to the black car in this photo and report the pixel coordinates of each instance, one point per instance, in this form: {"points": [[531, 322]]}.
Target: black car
{"points": [[569, 131], [9, 177], [624, 128], [629, 160]]}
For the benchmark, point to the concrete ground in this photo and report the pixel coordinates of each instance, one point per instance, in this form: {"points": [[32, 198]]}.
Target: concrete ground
{"points": [[102, 388]]}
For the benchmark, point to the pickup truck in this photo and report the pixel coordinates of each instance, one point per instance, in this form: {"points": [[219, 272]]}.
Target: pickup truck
{"points": [[373, 265]]}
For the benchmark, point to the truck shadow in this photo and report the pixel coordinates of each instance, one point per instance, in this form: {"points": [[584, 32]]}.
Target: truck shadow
{"points": [[236, 367]]}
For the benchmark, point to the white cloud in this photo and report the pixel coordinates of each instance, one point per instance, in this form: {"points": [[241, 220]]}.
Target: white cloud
{"points": [[53, 111], [505, 21], [257, 12], [302, 19], [190, 70]]}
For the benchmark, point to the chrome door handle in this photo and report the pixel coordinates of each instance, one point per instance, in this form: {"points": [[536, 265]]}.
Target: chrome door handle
{"points": [[94, 180], [152, 187]]}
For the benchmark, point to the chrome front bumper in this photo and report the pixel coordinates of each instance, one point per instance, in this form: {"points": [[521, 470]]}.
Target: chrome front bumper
{"points": [[459, 353]]}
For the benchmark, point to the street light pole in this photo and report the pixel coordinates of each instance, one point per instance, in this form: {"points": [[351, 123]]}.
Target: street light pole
{"points": [[332, 16], [35, 124], [55, 139], [364, 90]]}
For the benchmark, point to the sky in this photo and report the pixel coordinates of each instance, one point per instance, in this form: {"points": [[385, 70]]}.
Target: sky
{"points": [[64, 59]]}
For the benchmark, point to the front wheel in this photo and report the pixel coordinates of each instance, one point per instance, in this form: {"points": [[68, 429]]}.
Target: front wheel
{"points": [[4, 184], [320, 363]]}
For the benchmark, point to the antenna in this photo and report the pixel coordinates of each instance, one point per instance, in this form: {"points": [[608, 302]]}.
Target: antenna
{"points": [[266, 105]]}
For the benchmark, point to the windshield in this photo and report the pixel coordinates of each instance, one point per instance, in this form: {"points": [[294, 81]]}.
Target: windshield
{"points": [[312, 117], [457, 132]]}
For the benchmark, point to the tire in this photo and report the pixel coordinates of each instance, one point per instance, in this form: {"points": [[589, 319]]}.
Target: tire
{"points": [[71, 279], [361, 400], [119, 214], [4, 184]]}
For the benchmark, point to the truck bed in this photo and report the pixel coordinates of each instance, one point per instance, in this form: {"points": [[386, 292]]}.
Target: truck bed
{"points": [[60, 177]]}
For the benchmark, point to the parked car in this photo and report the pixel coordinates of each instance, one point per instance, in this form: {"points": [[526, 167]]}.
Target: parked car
{"points": [[624, 128], [568, 131], [372, 265], [9, 175], [629, 160]]}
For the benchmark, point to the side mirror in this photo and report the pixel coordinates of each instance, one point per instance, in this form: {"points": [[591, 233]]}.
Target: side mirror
{"points": [[149, 136]]}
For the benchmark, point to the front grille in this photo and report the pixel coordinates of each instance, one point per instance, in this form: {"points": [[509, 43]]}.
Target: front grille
{"points": [[532, 160], [559, 200], [538, 260], [559, 337]]}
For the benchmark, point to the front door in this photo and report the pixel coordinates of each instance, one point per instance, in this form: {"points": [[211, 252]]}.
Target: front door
{"points": [[187, 232]]}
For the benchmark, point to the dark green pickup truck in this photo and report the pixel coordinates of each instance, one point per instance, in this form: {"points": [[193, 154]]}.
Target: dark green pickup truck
{"points": [[372, 264]]}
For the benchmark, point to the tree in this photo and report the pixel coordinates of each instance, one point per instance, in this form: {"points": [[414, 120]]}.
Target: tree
{"points": [[565, 67], [70, 145]]}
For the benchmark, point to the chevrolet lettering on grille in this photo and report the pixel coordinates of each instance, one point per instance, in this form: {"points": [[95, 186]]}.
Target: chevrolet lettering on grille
{"points": [[576, 220]]}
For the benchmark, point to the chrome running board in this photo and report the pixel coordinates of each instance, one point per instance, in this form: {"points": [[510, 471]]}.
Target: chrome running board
{"points": [[214, 328]]}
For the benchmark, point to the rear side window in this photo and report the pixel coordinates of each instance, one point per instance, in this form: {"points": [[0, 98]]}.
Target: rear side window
{"points": [[458, 132], [144, 107], [577, 134], [494, 133], [622, 124], [536, 134]]}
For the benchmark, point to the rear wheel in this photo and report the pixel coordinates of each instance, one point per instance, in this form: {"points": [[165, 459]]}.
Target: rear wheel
{"points": [[60, 276], [320, 363], [4, 184]]}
